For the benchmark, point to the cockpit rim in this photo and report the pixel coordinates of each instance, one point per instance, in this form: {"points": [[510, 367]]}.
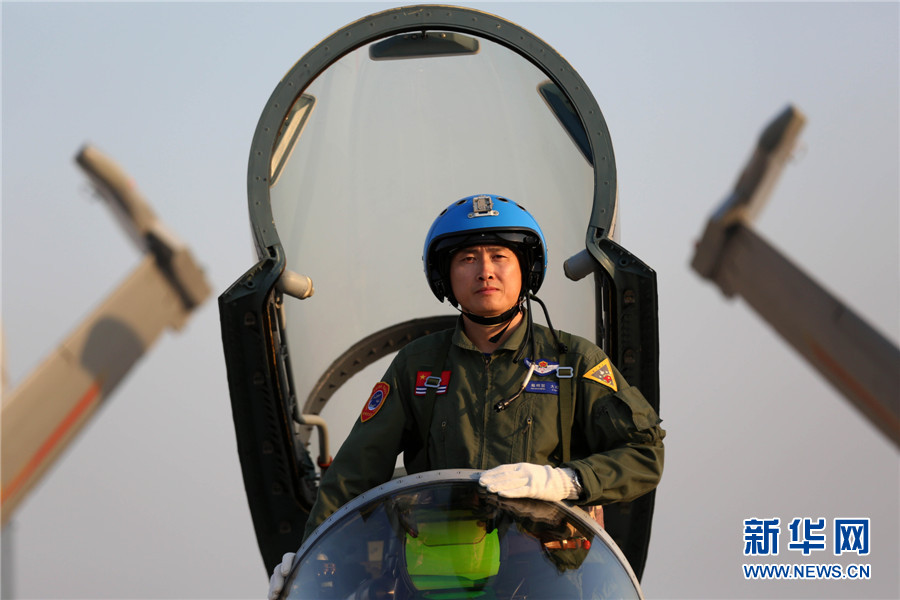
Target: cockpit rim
{"points": [[391, 22], [408, 482]]}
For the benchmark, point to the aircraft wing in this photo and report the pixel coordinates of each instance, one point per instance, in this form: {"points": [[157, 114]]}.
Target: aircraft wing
{"points": [[856, 359], [44, 413]]}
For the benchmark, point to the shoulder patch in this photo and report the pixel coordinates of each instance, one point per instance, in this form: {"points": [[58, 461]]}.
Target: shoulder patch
{"points": [[603, 373], [375, 401]]}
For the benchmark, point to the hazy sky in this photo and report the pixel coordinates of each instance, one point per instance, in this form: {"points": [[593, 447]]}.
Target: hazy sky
{"points": [[149, 502]]}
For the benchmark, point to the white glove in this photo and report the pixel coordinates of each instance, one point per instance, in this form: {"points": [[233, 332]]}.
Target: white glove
{"points": [[276, 582], [524, 480]]}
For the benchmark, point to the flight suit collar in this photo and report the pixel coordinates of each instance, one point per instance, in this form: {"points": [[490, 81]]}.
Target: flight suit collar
{"points": [[512, 343]]}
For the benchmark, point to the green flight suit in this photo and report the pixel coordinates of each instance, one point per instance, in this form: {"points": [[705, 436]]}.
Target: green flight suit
{"points": [[616, 442]]}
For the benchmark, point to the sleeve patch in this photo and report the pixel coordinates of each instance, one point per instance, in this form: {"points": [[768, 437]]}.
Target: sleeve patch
{"points": [[603, 374], [375, 401]]}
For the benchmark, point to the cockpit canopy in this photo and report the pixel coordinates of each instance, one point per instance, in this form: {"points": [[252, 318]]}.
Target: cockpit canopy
{"points": [[361, 144]]}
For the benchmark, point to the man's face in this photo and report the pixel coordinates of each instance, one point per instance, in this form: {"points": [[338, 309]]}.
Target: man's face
{"points": [[486, 280]]}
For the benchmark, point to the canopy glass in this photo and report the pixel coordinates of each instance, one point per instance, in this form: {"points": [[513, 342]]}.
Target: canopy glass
{"points": [[441, 535], [369, 154]]}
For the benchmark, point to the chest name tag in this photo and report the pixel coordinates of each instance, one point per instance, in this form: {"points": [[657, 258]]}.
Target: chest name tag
{"points": [[543, 387]]}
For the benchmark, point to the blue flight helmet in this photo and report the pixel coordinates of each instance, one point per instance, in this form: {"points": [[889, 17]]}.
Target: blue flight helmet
{"points": [[490, 219], [484, 219]]}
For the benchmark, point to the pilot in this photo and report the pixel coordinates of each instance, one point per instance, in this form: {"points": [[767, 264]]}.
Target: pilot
{"points": [[542, 412]]}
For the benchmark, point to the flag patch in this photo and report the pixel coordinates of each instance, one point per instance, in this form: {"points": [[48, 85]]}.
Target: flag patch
{"points": [[425, 380]]}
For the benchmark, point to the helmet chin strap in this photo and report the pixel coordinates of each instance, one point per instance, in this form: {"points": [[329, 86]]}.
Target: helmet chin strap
{"points": [[501, 318], [505, 317]]}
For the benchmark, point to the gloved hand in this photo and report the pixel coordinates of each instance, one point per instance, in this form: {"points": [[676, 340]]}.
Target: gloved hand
{"points": [[524, 480], [276, 582]]}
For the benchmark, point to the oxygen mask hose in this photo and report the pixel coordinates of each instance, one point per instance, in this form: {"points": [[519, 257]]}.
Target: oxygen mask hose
{"points": [[562, 348], [501, 406], [529, 336]]}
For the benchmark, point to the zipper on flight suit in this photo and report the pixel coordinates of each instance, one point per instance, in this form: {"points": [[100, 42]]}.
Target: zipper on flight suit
{"points": [[486, 414], [527, 436], [444, 437]]}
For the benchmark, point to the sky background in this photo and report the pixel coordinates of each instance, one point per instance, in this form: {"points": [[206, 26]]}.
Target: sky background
{"points": [[149, 501]]}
